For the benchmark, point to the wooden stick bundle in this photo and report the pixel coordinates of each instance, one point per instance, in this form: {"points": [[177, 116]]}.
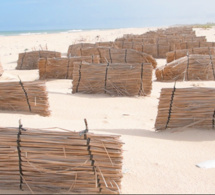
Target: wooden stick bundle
{"points": [[61, 68], [119, 79], [29, 60], [57, 161], [186, 106], [190, 68], [25, 97]]}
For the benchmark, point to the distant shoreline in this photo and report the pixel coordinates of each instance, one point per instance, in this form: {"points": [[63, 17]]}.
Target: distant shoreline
{"points": [[38, 32]]}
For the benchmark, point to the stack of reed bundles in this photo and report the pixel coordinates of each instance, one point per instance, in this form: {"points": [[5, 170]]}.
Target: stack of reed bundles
{"points": [[157, 47], [60, 161], [62, 68], [118, 79], [1, 69], [159, 42], [29, 60], [186, 107], [174, 55], [189, 68], [114, 55], [25, 97], [75, 50]]}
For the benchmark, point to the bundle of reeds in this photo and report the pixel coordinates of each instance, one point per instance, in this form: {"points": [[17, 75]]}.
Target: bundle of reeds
{"points": [[29, 60], [75, 49], [119, 79], [60, 161], [190, 68], [9, 161], [25, 97], [62, 68], [186, 107], [114, 55], [105, 44], [174, 55]]}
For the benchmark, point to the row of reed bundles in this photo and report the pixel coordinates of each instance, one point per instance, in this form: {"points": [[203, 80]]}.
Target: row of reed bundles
{"points": [[174, 55], [119, 79], [186, 107], [113, 55], [29, 60], [59, 161], [159, 42], [189, 68], [62, 68], [25, 97], [159, 50]]}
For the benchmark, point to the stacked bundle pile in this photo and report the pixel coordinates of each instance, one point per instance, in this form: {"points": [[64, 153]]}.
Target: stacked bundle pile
{"points": [[174, 55], [25, 97], [1, 69], [189, 68], [60, 161], [186, 107], [29, 60], [113, 55], [119, 79], [61, 68], [160, 42]]}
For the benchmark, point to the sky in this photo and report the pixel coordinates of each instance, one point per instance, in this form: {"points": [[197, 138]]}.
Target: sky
{"points": [[101, 14]]}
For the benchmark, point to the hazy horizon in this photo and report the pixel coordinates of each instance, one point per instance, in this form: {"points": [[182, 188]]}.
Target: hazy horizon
{"points": [[24, 15]]}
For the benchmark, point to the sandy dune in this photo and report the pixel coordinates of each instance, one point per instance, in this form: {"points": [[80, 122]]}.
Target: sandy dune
{"points": [[154, 162]]}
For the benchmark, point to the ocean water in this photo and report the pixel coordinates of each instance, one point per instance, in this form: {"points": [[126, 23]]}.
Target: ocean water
{"points": [[35, 32]]}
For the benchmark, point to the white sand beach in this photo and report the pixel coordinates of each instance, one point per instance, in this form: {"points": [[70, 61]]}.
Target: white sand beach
{"points": [[154, 162]]}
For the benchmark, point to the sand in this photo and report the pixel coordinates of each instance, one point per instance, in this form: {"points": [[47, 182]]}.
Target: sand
{"points": [[154, 162]]}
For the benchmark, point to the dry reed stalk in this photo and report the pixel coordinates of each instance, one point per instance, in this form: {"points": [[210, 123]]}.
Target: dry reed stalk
{"points": [[120, 79], [190, 68], [25, 97], [61, 68], [186, 107], [44, 168], [29, 60]]}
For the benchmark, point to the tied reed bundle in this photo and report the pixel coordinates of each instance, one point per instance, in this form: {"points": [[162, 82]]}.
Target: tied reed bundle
{"points": [[174, 55], [25, 97], [61, 68], [75, 49], [29, 60], [119, 79], [186, 107], [189, 68], [60, 161]]}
